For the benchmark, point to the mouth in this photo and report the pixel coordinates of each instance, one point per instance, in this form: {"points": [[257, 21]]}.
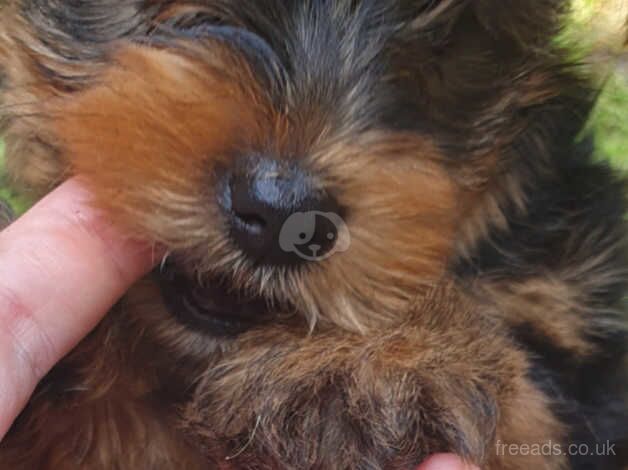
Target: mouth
{"points": [[210, 305]]}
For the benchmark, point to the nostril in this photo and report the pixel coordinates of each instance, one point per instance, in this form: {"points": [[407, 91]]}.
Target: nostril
{"points": [[252, 223]]}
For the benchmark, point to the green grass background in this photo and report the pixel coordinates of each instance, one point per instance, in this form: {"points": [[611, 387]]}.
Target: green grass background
{"points": [[8, 195], [594, 26], [611, 122], [598, 27]]}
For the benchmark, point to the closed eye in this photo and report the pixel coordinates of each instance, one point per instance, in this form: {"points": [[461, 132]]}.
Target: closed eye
{"points": [[198, 25], [189, 21], [196, 22]]}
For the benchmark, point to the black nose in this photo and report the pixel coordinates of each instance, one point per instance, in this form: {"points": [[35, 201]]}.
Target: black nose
{"points": [[278, 213]]}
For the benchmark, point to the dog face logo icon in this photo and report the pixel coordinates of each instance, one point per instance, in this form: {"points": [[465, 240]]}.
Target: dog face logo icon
{"points": [[314, 235]]}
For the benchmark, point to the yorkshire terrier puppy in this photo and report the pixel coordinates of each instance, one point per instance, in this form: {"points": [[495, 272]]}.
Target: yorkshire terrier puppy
{"points": [[387, 236]]}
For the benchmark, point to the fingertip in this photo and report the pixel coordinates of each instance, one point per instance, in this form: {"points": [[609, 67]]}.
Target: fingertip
{"points": [[446, 462], [72, 201]]}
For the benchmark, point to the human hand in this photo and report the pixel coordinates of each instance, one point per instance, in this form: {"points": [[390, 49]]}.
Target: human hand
{"points": [[62, 267]]}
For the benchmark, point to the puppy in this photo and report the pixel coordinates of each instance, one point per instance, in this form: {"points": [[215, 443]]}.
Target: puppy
{"points": [[386, 234]]}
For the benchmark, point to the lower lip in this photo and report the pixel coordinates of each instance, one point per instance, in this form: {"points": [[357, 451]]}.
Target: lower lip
{"points": [[212, 308]]}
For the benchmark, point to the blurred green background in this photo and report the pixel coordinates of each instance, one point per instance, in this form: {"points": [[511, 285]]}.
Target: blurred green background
{"points": [[596, 27]]}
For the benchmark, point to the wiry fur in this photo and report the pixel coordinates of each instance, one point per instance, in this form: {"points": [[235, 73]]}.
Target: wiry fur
{"points": [[480, 300]]}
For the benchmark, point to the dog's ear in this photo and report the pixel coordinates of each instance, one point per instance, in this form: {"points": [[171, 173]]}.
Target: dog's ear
{"points": [[51, 48], [86, 21], [59, 42], [529, 23], [480, 69]]}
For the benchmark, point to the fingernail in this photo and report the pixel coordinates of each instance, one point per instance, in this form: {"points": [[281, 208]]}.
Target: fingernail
{"points": [[446, 462]]}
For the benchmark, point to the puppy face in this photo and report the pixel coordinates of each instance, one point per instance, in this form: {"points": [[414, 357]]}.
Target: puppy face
{"points": [[285, 184], [301, 163]]}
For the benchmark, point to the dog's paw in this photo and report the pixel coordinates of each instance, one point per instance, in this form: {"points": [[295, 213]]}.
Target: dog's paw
{"points": [[446, 381]]}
